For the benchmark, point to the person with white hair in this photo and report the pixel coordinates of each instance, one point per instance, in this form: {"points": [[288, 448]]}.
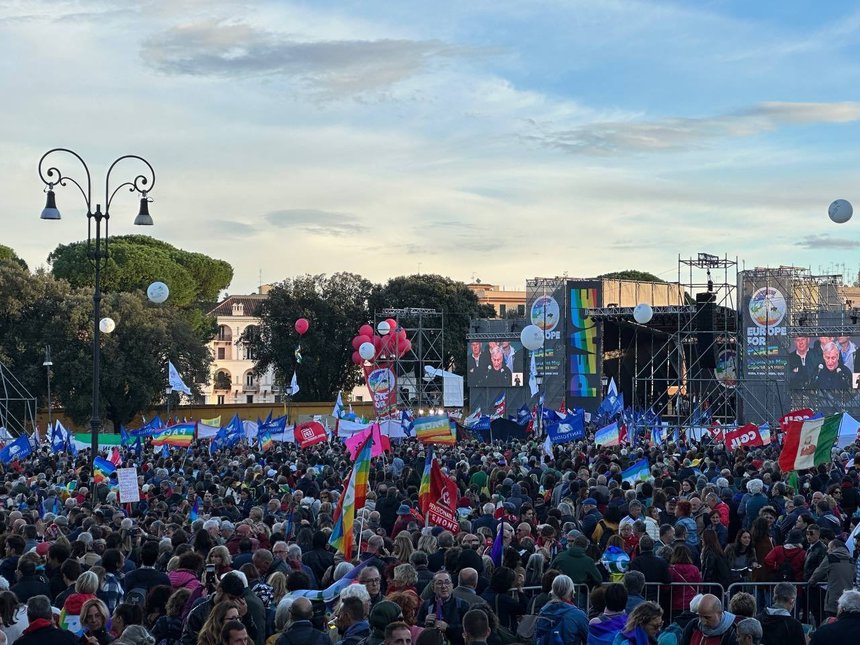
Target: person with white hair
{"points": [[752, 502], [847, 624], [749, 632], [561, 614]]}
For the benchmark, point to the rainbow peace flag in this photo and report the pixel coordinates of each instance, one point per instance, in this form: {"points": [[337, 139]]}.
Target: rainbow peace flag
{"points": [[436, 429], [102, 469], [180, 435], [353, 497], [266, 441], [424, 489]]}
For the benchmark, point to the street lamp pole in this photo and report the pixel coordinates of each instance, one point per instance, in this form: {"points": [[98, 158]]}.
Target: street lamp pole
{"points": [[97, 245], [48, 364]]}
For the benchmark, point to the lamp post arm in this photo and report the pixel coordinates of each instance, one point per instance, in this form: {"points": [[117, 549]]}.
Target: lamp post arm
{"points": [[141, 183], [52, 176]]}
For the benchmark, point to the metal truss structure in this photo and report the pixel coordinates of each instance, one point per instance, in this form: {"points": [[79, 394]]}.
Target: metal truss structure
{"points": [[17, 405], [425, 329]]}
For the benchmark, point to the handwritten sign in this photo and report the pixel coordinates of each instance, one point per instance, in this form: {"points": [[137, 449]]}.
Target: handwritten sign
{"points": [[127, 480]]}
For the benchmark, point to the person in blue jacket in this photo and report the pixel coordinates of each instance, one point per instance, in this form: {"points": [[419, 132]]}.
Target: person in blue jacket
{"points": [[560, 621]]}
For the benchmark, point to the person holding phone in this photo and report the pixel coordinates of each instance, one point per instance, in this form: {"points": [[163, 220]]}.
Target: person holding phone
{"points": [[444, 611]]}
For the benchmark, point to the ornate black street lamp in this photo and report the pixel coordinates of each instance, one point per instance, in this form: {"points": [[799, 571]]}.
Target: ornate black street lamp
{"points": [[97, 245]]}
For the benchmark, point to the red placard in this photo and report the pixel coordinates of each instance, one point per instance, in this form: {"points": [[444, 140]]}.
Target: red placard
{"points": [[310, 433], [746, 436]]}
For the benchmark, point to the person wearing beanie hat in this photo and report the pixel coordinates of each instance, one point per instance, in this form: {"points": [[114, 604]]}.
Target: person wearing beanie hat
{"points": [[590, 516], [404, 516]]}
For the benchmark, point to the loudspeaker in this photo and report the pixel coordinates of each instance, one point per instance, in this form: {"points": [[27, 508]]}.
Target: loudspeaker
{"points": [[703, 325]]}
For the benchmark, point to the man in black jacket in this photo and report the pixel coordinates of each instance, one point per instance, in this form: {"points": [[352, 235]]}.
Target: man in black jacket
{"points": [[443, 611], [655, 569], [320, 557], [779, 626], [146, 576], [41, 630], [301, 631], [844, 630], [30, 583]]}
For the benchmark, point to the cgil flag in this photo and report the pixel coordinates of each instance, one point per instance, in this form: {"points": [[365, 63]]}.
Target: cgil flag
{"points": [[175, 380], [638, 472], [808, 443]]}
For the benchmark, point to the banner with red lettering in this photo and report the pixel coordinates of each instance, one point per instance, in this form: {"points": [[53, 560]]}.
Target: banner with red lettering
{"points": [[442, 507], [746, 436], [382, 385], [795, 415], [310, 433]]}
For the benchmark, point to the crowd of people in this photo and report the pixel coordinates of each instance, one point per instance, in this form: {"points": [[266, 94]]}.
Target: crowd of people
{"points": [[233, 548]]}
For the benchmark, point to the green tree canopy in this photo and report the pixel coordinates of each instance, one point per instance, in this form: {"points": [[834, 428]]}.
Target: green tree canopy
{"points": [[7, 253], [453, 298], [38, 310], [137, 260], [632, 274], [335, 306]]}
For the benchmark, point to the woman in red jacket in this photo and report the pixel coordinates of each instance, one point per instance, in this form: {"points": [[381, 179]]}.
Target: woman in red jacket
{"points": [[682, 569], [785, 562]]}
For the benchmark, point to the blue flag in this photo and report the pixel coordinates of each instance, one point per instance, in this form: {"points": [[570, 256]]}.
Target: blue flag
{"points": [[18, 449], [58, 437], [164, 451], [124, 438], [570, 428], [71, 446], [138, 448], [407, 422], [195, 510], [235, 431], [524, 415]]}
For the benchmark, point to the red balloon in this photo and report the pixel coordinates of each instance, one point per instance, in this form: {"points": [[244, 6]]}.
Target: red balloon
{"points": [[377, 343], [356, 358], [365, 330], [302, 325], [358, 341], [392, 324], [402, 333], [404, 347]]}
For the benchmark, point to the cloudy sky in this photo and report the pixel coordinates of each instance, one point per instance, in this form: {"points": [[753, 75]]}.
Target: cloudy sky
{"points": [[498, 140]]}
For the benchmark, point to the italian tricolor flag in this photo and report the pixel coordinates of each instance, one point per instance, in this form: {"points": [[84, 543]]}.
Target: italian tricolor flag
{"points": [[808, 443]]}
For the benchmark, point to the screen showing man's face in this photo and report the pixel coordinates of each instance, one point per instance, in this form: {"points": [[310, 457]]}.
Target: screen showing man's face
{"points": [[497, 359], [831, 359]]}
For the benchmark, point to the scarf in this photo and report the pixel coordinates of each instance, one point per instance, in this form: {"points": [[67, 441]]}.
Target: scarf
{"points": [[725, 622], [39, 623]]}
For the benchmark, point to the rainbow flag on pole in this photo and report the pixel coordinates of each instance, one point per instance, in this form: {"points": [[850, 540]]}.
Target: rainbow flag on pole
{"points": [[424, 489], [180, 435], [353, 498]]}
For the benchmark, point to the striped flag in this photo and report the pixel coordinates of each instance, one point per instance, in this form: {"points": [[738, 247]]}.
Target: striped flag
{"points": [[808, 443], [102, 469], [352, 499], [180, 435], [499, 405], [424, 488]]}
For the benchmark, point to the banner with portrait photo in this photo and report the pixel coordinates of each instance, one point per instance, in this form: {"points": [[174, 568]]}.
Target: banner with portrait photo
{"points": [[495, 363]]}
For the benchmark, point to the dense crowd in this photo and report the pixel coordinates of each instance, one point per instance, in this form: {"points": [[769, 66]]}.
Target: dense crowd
{"points": [[233, 548]]}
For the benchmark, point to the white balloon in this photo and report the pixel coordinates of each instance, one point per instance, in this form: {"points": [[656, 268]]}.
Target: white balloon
{"points": [[383, 328], [157, 292], [840, 211], [643, 313], [366, 351], [532, 337], [107, 325]]}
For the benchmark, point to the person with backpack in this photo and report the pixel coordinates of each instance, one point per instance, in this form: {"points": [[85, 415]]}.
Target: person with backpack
{"points": [[606, 527], [137, 583], [786, 561], [560, 622]]}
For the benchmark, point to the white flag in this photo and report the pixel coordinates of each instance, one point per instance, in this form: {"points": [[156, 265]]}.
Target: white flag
{"points": [[547, 448], [175, 380], [337, 413], [533, 385], [294, 385]]}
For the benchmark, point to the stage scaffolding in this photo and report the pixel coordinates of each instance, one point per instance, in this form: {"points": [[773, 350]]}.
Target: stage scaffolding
{"points": [[17, 405], [425, 329], [682, 362]]}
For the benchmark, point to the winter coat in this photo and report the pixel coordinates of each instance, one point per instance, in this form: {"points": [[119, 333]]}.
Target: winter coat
{"points": [[715, 568], [683, 595], [574, 562], [780, 629], [43, 632], [843, 630], [837, 570], [762, 548], [655, 569], [180, 578], [776, 558], [571, 621]]}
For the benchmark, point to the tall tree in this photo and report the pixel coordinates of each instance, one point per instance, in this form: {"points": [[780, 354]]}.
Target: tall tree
{"points": [[335, 306], [37, 310], [453, 298], [632, 274], [137, 260], [7, 253]]}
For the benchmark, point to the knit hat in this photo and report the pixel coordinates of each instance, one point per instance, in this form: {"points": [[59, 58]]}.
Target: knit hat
{"points": [[404, 510]]}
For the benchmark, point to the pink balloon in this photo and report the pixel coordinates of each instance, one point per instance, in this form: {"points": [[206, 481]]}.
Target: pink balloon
{"points": [[404, 347], [377, 343], [357, 359], [365, 330], [392, 324], [358, 341], [302, 325], [402, 333]]}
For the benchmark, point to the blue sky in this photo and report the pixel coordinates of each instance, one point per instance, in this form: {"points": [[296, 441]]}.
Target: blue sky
{"points": [[500, 140]]}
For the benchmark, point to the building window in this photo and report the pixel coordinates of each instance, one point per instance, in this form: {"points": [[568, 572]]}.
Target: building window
{"points": [[220, 353], [220, 399], [503, 309], [359, 398], [249, 379], [224, 333], [249, 398]]}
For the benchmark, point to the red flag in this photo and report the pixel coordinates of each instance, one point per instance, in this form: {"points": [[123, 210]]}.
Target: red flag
{"points": [[716, 431], [795, 415], [622, 433], [115, 458], [310, 433], [746, 436], [442, 507]]}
